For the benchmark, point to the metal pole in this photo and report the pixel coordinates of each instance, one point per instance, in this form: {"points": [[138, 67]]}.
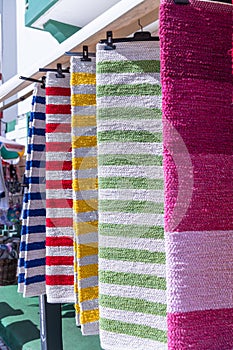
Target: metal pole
{"points": [[50, 325]]}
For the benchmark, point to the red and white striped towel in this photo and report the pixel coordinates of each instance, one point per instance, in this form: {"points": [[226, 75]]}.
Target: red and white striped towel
{"points": [[59, 214]]}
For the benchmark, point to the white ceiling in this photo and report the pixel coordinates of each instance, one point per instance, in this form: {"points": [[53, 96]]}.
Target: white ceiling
{"points": [[75, 12]]}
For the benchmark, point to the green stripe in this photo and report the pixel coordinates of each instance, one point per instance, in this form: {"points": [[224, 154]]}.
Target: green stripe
{"points": [[130, 206], [129, 136], [130, 159], [142, 66], [136, 330], [136, 231], [130, 183], [132, 279], [128, 90], [132, 255], [130, 304], [129, 112]]}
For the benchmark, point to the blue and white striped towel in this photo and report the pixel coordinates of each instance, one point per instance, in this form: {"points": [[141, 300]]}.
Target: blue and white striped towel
{"points": [[34, 263]]}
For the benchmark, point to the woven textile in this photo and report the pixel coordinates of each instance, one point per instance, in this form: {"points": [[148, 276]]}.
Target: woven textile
{"points": [[131, 235], [196, 40], [21, 269], [84, 165], [59, 213], [34, 261]]}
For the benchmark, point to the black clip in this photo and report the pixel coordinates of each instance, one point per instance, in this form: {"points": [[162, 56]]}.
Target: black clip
{"points": [[141, 36], [59, 71], [85, 54], [42, 81], [109, 44], [181, 2]]}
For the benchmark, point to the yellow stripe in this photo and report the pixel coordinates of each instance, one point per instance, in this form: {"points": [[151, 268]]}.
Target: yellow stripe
{"points": [[84, 163], [75, 266], [82, 228], [88, 294], [89, 316], [84, 206], [77, 308], [88, 271], [84, 141], [84, 250], [83, 100], [76, 290], [85, 184], [79, 78], [83, 120]]}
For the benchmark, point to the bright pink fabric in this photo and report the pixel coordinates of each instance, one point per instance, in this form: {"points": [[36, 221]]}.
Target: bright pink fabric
{"points": [[201, 330], [196, 73]]}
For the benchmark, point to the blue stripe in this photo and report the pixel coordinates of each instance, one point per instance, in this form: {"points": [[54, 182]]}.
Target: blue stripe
{"points": [[38, 132], [36, 229], [36, 164], [35, 263], [25, 215], [25, 197], [22, 245], [35, 279], [36, 148], [36, 196], [21, 262], [23, 230], [36, 212], [35, 246], [38, 99], [36, 180], [38, 116], [28, 165], [21, 278]]}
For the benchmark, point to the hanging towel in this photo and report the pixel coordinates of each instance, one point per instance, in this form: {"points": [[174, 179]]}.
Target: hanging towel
{"points": [[59, 212], [21, 269], [196, 40], [34, 261], [85, 196], [131, 235]]}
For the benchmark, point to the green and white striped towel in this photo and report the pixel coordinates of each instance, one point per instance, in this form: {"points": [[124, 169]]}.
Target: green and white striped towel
{"points": [[131, 235]]}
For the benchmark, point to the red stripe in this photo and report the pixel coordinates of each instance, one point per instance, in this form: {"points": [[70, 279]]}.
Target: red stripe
{"points": [[59, 222], [58, 127], [56, 280], [57, 91], [201, 330], [58, 109], [59, 165], [59, 260], [59, 203], [58, 147], [59, 241], [58, 184]]}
